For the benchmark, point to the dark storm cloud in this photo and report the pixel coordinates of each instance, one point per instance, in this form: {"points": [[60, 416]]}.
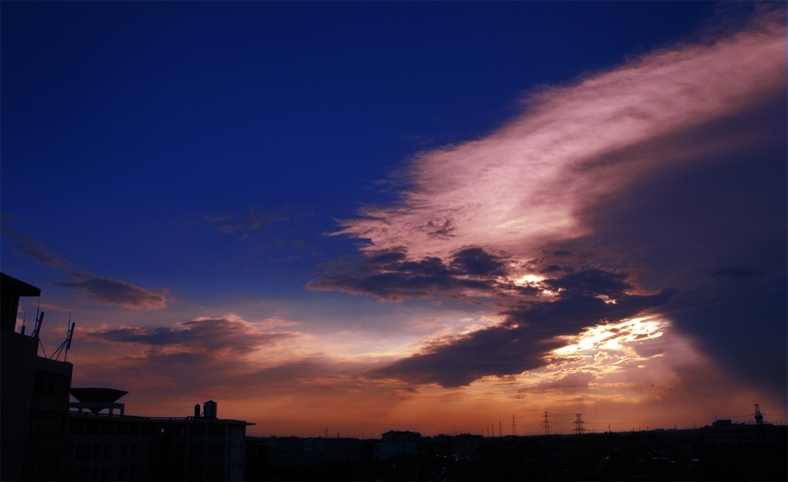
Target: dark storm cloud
{"points": [[203, 335], [387, 275], [716, 229], [475, 261], [555, 268], [114, 292], [528, 334], [593, 281]]}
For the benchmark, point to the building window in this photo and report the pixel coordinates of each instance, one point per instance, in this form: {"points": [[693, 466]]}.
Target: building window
{"points": [[196, 450], [83, 452], [124, 450], [51, 383], [215, 472], [108, 451], [216, 451], [46, 422], [76, 426]]}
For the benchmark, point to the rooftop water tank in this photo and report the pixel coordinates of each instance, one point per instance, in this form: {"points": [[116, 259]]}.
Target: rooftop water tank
{"points": [[209, 409]]}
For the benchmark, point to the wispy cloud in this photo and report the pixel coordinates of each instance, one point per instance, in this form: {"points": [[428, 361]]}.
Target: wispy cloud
{"points": [[530, 182], [114, 292], [35, 250], [203, 336], [252, 220], [104, 290]]}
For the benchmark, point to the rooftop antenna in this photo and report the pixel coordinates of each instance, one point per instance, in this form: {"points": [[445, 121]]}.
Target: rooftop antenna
{"points": [[546, 424], [758, 415], [64, 347], [579, 424], [37, 326]]}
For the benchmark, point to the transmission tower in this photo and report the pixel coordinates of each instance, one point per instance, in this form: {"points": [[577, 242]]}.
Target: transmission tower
{"points": [[579, 424], [546, 424], [500, 429], [514, 426]]}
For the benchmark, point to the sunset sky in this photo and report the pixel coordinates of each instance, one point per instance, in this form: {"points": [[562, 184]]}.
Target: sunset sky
{"points": [[367, 216]]}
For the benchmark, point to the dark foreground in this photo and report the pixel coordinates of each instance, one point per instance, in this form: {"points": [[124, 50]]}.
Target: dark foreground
{"points": [[654, 455]]}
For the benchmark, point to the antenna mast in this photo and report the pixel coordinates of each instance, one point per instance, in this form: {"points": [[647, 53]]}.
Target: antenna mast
{"points": [[758, 415], [37, 326], [66, 345]]}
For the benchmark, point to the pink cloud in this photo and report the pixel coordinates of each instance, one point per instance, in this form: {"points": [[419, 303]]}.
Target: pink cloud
{"points": [[117, 293], [529, 183]]}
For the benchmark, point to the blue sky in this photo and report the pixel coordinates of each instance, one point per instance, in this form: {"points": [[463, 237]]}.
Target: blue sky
{"points": [[133, 122], [184, 167]]}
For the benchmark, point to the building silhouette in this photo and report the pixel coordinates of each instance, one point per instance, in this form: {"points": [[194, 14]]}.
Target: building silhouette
{"points": [[727, 432], [45, 437], [34, 392], [104, 445], [396, 442]]}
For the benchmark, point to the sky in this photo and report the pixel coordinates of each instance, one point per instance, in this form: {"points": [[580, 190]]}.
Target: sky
{"points": [[426, 216]]}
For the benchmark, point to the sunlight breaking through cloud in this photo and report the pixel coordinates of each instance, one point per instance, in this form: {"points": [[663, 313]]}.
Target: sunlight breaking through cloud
{"points": [[611, 337]]}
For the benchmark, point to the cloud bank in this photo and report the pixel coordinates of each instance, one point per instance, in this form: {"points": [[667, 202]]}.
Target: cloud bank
{"points": [[530, 332], [658, 186], [389, 275]]}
